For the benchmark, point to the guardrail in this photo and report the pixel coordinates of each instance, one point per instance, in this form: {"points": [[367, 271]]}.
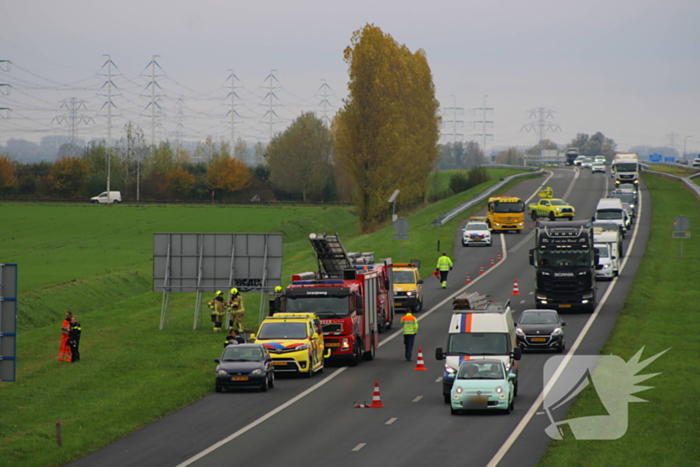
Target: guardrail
{"points": [[440, 221]]}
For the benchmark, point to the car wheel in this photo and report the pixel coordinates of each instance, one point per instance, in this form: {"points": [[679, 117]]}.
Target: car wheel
{"points": [[533, 215], [506, 411], [218, 388], [264, 385], [560, 348], [447, 398], [310, 373], [272, 380], [512, 404], [372, 351], [551, 216], [94, 202], [356, 356], [453, 411], [515, 388]]}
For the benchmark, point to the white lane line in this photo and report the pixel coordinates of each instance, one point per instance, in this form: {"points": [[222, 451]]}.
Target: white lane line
{"points": [[540, 398], [391, 420], [417, 399], [439, 380], [359, 446], [522, 301], [257, 422]]}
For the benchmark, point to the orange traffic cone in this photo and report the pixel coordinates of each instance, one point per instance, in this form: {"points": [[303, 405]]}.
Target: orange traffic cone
{"points": [[376, 400], [420, 365], [498, 257], [481, 269], [516, 291], [468, 280], [492, 262]]}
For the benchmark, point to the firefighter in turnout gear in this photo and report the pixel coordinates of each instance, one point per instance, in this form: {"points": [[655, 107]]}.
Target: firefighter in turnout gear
{"points": [[410, 329], [275, 301], [217, 310], [236, 309], [444, 266]]}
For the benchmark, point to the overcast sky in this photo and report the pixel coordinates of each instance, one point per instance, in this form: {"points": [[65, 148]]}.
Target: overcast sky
{"points": [[628, 68]]}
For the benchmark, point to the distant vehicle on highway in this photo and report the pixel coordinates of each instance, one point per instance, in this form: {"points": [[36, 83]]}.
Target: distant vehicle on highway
{"points": [[482, 385], [540, 329], [476, 232], [600, 158], [586, 163], [245, 366], [598, 167], [696, 162], [579, 159]]}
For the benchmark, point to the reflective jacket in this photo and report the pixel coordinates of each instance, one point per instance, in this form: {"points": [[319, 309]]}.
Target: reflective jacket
{"points": [[410, 324], [444, 263]]}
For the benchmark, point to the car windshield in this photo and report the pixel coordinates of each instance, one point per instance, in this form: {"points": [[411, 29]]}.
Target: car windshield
{"points": [[539, 317], [283, 330], [612, 214], [625, 197], [478, 343], [404, 277], [473, 370], [607, 226], [245, 354], [503, 207], [559, 202], [602, 251], [476, 226], [323, 306], [555, 258]]}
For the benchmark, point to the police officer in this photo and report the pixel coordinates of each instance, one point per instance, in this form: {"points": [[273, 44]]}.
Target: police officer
{"points": [[236, 309], [216, 305], [444, 266], [74, 339], [410, 329]]}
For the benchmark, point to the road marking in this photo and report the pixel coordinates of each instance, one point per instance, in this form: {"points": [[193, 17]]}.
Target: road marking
{"points": [[359, 446], [439, 380], [391, 420], [417, 399], [560, 369], [531, 293], [522, 301]]}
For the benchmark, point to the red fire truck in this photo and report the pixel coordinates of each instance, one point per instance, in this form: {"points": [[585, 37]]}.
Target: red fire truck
{"points": [[352, 298]]}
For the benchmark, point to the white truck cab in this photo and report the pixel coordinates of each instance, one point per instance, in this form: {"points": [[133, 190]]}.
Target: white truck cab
{"points": [[611, 210], [107, 197]]}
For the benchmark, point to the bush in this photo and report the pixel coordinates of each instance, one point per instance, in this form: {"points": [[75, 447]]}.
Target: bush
{"points": [[477, 176], [459, 183]]}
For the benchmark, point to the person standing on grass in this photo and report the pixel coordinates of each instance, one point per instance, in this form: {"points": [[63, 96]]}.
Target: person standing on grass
{"points": [[237, 310], [64, 351], [217, 310], [74, 339]]}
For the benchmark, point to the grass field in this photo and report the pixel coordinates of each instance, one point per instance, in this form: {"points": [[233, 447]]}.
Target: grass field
{"points": [[661, 312], [96, 262], [672, 169]]}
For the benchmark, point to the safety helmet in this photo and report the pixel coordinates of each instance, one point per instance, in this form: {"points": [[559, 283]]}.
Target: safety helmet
{"points": [[234, 291], [219, 292], [278, 289]]}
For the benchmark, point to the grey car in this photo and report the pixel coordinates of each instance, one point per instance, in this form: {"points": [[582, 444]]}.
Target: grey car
{"points": [[540, 329]]}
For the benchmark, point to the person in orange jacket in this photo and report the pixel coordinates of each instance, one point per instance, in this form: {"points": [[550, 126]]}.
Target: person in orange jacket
{"points": [[64, 351]]}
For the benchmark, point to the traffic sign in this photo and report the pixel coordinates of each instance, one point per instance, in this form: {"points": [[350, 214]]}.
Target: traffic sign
{"points": [[401, 237], [681, 223], [401, 225], [681, 235]]}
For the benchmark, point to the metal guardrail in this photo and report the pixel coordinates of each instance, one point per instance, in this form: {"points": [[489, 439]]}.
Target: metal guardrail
{"points": [[440, 221]]}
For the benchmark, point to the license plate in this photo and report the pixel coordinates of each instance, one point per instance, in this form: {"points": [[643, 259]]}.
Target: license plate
{"points": [[565, 306], [397, 303], [279, 363], [240, 378], [477, 402], [539, 339], [332, 344]]}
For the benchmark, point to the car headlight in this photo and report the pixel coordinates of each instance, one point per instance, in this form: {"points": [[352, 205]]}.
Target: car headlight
{"points": [[302, 347], [499, 390], [410, 293], [345, 343], [519, 332], [582, 273], [257, 371], [450, 370], [556, 332], [459, 390], [541, 297], [606, 266], [221, 372]]}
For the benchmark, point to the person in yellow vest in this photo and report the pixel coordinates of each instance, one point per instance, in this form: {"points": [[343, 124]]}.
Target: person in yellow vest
{"points": [[216, 305], [410, 329], [236, 309], [444, 266]]}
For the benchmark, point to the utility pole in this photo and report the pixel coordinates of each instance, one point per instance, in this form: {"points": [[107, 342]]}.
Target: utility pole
{"points": [[179, 128], [5, 89], [271, 79], [109, 104], [685, 142], [73, 118], [325, 87], [232, 94], [484, 123], [672, 137], [541, 126], [455, 110], [155, 111]]}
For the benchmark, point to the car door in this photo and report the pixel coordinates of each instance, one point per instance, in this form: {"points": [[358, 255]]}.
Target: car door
{"points": [[544, 211]]}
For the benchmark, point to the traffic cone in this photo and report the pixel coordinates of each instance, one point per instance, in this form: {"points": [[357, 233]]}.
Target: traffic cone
{"points": [[492, 262], [481, 269], [468, 280], [516, 291], [420, 364], [498, 257], [376, 400]]}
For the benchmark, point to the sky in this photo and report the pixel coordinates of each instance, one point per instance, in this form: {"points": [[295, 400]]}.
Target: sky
{"points": [[627, 68]]}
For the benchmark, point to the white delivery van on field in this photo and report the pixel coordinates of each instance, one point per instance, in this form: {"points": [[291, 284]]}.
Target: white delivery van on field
{"points": [[107, 197], [479, 329]]}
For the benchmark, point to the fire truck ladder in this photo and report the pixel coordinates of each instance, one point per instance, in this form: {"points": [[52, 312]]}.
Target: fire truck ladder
{"points": [[331, 257]]}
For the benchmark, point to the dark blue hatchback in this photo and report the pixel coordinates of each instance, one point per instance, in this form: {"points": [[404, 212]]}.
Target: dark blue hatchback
{"points": [[245, 366]]}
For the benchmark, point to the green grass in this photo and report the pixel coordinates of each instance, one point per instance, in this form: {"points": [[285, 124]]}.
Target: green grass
{"points": [[96, 262], [661, 312], [671, 169]]}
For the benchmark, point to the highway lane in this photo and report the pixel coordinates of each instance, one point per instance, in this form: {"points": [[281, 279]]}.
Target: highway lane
{"points": [[323, 426]]}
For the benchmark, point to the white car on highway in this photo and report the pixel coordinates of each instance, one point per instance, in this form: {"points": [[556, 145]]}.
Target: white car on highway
{"points": [[476, 233], [598, 167]]}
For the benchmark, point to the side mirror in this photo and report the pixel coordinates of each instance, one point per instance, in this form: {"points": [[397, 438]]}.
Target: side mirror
{"points": [[517, 353], [439, 354], [420, 281], [614, 257], [217, 360], [512, 375], [563, 323], [251, 338], [360, 311]]}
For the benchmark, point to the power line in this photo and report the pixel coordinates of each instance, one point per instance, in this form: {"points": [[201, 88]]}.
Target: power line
{"points": [[455, 110], [541, 126], [271, 80], [484, 123], [73, 118]]}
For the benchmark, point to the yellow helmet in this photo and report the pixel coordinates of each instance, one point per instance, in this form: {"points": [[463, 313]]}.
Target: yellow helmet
{"points": [[219, 292], [278, 289], [234, 291]]}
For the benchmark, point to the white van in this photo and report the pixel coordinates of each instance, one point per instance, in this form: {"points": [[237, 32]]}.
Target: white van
{"points": [[107, 197], [611, 210], [479, 329], [608, 262]]}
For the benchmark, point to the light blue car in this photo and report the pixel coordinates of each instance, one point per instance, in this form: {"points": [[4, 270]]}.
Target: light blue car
{"points": [[482, 385]]}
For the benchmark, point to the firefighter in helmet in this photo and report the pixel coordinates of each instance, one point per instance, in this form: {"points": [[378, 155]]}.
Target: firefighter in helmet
{"points": [[236, 310], [216, 305], [275, 301]]}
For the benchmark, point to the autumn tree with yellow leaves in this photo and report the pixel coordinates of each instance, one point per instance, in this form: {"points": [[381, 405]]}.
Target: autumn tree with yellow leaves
{"points": [[386, 134], [227, 175], [8, 177]]}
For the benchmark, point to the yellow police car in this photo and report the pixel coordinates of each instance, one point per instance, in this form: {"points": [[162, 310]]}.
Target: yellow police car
{"points": [[294, 341]]}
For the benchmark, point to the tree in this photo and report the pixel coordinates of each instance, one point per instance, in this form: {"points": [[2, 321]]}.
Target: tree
{"points": [[259, 153], [161, 161], [227, 175], [473, 155], [594, 145], [240, 150], [299, 158], [131, 150], [69, 176], [8, 177], [179, 183], [387, 131]]}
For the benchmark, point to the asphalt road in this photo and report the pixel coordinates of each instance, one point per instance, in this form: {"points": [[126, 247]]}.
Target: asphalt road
{"points": [[313, 422]]}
